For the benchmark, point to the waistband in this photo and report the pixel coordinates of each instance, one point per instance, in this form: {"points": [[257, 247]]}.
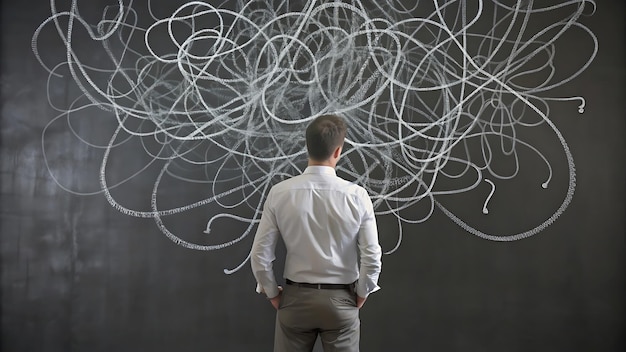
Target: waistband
{"points": [[320, 286]]}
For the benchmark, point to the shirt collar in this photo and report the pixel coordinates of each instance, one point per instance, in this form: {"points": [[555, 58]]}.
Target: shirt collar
{"points": [[320, 170]]}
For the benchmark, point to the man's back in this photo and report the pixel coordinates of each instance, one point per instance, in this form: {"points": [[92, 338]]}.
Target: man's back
{"points": [[319, 216]]}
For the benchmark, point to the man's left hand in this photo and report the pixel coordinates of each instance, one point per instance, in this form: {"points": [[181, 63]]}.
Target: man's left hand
{"points": [[276, 300]]}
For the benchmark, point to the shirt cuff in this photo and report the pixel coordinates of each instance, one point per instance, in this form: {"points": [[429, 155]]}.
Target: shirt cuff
{"points": [[271, 293], [364, 292]]}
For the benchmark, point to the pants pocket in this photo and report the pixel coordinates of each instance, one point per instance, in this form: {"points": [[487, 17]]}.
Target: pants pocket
{"points": [[344, 301]]}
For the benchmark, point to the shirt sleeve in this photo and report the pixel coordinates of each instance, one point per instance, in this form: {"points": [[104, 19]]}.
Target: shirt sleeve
{"points": [[262, 255], [369, 251]]}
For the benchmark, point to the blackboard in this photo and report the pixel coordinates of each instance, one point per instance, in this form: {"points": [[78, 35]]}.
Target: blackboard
{"points": [[79, 274]]}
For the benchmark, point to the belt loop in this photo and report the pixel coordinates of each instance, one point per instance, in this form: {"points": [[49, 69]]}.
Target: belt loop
{"points": [[319, 286]]}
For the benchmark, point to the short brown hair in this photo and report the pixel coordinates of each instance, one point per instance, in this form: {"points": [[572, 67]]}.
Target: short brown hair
{"points": [[323, 135]]}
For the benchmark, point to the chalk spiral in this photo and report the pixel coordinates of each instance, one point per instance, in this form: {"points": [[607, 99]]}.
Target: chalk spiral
{"points": [[230, 89]]}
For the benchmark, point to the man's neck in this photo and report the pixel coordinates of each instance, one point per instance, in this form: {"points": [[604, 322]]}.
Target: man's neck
{"points": [[321, 163]]}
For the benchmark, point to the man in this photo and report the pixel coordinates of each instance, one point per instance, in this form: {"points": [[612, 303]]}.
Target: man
{"points": [[333, 258]]}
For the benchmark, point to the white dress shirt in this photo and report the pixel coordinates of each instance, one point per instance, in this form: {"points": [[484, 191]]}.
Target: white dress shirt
{"points": [[329, 230]]}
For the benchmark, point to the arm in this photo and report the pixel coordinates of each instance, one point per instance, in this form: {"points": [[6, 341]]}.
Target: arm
{"points": [[369, 252], [262, 253]]}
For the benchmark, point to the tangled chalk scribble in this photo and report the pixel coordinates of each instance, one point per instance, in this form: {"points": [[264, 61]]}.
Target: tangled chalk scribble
{"points": [[231, 88]]}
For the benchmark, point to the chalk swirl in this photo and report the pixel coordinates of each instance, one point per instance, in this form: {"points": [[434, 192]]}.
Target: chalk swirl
{"points": [[429, 92]]}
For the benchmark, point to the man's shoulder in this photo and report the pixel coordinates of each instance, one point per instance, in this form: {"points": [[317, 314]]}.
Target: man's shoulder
{"points": [[290, 181], [355, 189], [347, 187], [287, 183]]}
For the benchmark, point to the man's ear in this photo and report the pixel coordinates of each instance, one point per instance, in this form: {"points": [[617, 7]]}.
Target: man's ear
{"points": [[337, 152]]}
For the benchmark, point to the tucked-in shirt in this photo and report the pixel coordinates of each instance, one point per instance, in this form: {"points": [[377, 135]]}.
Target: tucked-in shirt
{"points": [[329, 230]]}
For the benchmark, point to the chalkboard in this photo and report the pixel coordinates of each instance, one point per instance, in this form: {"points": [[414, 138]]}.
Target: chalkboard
{"points": [[138, 144]]}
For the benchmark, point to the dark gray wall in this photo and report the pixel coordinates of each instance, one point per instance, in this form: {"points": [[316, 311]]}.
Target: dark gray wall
{"points": [[79, 276]]}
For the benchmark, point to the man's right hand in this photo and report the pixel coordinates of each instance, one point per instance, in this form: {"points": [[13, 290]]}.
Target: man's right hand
{"points": [[360, 301]]}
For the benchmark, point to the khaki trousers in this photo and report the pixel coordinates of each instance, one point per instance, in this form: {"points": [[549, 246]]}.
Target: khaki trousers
{"points": [[304, 313]]}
